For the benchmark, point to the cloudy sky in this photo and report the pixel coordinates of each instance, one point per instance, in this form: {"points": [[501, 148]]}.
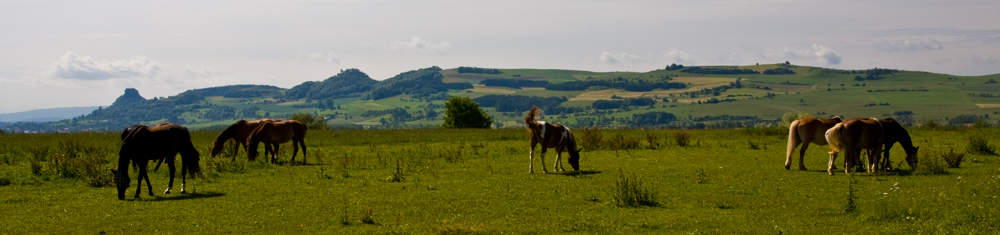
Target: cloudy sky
{"points": [[69, 53]]}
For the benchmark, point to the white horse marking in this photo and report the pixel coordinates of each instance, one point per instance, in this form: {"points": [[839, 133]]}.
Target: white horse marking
{"points": [[543, 128], [182, 187], [168, 191]]}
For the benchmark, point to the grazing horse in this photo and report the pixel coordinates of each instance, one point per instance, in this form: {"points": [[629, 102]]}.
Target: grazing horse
{"points": [[240, 132], [273, 133], [852, 136], [894, 132], [550, 136], [805, 131], [161, 142]]}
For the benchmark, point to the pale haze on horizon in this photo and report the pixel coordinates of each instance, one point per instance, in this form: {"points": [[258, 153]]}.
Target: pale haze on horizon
{"points": [[73, 53]]}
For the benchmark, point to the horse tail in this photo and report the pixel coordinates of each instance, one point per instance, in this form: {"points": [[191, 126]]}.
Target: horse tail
{"points": [[189, 155], [833, 137], [531, 119], [793, 137]]}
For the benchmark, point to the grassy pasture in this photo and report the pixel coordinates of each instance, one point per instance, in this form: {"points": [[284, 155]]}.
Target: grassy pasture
{"points": [[476, 181]]}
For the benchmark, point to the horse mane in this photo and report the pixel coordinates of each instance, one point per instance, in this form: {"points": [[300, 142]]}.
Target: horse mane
{"points": [[228, 133], [531, 119]]}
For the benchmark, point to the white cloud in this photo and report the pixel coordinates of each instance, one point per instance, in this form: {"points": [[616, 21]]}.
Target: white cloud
{"points": [[678, 56], [73, 66], [328, 57], [820, 54], [985, 60], [906, 45], [623, 58], [826, 55], [417, 44]]}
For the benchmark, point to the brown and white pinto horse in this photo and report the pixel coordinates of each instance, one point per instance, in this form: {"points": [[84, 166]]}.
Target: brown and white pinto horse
{"points": [[550, 136], [273, 133], [805, 131], [240, 132], [141, 144], [853, 136]]}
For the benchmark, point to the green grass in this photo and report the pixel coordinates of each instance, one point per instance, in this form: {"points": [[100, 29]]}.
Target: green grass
{"points": [[476, 181]]}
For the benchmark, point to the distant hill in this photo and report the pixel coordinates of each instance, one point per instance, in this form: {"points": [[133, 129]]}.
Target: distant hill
{"points": [[46, 115], [674, 97]]}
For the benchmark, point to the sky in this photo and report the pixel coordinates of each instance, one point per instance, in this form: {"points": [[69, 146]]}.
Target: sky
{"points": [[85, 53]]}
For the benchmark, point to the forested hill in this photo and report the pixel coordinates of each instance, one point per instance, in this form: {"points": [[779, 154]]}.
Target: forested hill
{"points": [[347, 83], [674, 97]]}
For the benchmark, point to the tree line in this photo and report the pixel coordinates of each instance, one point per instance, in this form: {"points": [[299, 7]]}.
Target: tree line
{"points": [[514, 83]]}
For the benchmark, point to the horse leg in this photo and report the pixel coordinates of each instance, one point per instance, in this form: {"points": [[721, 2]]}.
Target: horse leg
{"points": [[295, 150], [833, 156], [848, 160], [183, 178], [542, 155], [272, 150], [531, 157], [236, 149], [793, 142], [802, 156], [144, 175], [886, 164], [558, 165], [170, 165], [274, 153], [873, 158], [303, 143]]}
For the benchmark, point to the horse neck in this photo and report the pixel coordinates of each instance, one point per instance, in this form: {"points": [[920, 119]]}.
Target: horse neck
{"points": [[123, 161], [904, 139], [571, 143]]}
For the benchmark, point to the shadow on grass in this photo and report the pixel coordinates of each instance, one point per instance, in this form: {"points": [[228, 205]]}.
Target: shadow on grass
{"points": [[186, 196], [576, 173]]}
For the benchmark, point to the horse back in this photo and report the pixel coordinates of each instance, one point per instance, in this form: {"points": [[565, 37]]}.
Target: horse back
{"points": [[554, 135], [864, 133]]}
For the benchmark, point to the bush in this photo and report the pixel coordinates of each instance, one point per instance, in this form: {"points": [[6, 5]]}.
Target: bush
{"points": [[979, 144], [629, 192], [592, 138], [621, 141], [953, 159], [931, 166], [682, 137]]}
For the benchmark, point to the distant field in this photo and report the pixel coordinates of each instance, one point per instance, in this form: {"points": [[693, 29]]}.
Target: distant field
{"points": [[476, 182]]}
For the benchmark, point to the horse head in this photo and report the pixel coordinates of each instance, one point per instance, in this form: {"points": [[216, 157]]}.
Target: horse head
{"points": [[122, 181], [574, 159], [911, 157]]}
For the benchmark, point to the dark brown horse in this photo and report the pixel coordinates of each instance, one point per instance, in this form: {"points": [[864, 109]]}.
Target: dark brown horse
{"points": [[853, 136], [161, 142], [240, 132], [805, 131], [273, 133], [894, 132], [550, 136]]}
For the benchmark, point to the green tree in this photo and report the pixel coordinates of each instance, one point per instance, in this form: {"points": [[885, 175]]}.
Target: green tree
{"points": [[317, 122], [464, 113]]}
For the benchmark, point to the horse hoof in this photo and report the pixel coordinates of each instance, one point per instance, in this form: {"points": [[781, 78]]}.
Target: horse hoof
{"points": [[787, 167], [183, 192], [164, 192]]}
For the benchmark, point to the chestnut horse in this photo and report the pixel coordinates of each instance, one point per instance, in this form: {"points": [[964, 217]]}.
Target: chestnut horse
{"points": [[240, 132], [804, 131], [853, 136], [273, 133], [894, 132], [550, 136], [161, 142]]}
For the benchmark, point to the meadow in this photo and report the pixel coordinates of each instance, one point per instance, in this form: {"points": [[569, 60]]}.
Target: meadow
{"points": [[441, 181]]}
